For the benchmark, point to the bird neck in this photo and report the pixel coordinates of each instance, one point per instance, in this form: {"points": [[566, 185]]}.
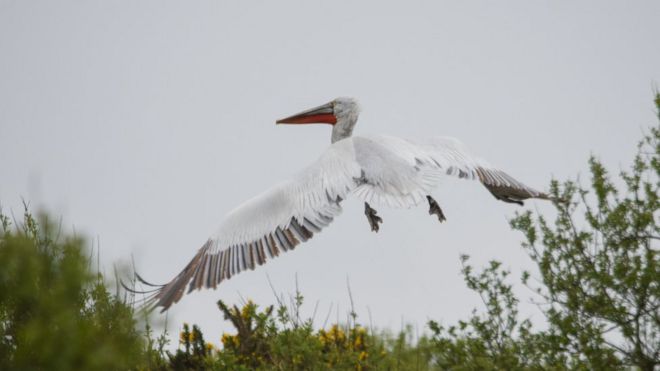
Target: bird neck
{"points": [[344, 127]]}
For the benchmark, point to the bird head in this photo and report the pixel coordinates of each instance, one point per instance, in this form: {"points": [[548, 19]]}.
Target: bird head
{"points": [[342, 113]]}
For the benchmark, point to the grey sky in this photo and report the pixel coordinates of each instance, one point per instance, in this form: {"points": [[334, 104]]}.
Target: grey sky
{"points": [[143, 123]]}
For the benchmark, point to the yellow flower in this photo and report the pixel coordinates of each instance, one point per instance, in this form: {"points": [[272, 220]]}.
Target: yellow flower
{"points": [[363, 356], [247, 308], [229, 341], [182, 337], [336, 334], [210, 347], [323, 337]]}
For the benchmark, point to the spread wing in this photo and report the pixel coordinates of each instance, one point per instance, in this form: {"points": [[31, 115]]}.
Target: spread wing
{"points": [[453, 158], [268, 225], [400, 173]]}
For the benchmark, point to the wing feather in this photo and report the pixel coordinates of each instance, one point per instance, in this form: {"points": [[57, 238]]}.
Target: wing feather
{"points": [[277, 220], [401, 173]]}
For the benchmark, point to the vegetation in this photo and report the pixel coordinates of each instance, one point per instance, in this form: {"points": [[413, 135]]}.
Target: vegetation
{"points": [[596, 281], [54, 312], [266, 340]]}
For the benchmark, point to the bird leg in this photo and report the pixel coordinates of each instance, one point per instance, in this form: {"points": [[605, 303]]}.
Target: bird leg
{"points": [[434, 208], [372, 217]]}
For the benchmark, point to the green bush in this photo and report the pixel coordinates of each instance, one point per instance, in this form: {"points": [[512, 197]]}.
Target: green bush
{"points": [[55, 313], [598, 281]]}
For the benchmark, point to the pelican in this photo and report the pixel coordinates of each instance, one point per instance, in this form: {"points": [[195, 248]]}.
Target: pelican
{"points": [[378, 169]]}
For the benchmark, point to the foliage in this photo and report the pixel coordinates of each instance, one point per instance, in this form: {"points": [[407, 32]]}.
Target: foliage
{"points": [[601, 273], [196, 353], [279, 340], [55, 313], [497, 339], [599, 281]]}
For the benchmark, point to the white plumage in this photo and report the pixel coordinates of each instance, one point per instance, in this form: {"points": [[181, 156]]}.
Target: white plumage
{"points": [[376, 168]]}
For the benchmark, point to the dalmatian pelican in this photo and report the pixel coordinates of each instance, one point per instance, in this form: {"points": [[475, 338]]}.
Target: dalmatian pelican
{"points": [[379, 169]]}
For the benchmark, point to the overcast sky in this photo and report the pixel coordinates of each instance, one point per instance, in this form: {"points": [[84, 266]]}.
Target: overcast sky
{"points": [[141, 123]]}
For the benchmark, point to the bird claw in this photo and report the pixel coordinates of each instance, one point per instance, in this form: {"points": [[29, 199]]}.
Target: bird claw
{"points": [[372, 217], [434, 208]]}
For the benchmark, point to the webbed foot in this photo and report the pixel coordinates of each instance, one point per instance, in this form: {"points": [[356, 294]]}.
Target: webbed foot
{"points": [[434, 208], [372, 217]]}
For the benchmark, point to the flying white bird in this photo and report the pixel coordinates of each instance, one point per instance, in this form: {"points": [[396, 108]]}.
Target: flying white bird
{"points": [[377, 168]]}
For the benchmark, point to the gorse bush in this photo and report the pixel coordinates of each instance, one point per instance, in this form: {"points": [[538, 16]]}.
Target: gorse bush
{"points": [[275, 340]]}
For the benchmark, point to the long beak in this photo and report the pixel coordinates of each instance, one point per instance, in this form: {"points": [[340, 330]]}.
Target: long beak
{"points": [[324, 114]]}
